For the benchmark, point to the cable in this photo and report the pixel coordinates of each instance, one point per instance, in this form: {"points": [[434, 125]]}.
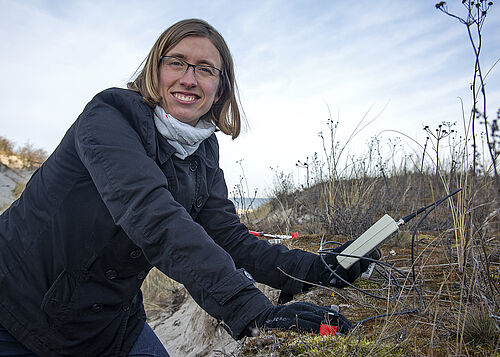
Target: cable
{"points": [[405, 219], [400, 288], [378, 262]]}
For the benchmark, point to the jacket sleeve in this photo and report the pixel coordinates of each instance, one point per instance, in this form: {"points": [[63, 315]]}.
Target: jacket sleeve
{"points": [[134, 190], [257, 256]]}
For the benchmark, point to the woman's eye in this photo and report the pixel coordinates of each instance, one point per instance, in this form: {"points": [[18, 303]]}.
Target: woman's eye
{"points": [[206, 70], [176, 63]]}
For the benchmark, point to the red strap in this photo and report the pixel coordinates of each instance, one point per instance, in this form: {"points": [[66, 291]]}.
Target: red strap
{"points": [[327, 330]]}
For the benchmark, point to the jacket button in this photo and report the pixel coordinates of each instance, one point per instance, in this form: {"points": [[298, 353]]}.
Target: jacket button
{"points": [[96, 307], [193, 165], [248, 275], [110, 274], [125, 307], [136, 253], [141, 275], [199, 201]]}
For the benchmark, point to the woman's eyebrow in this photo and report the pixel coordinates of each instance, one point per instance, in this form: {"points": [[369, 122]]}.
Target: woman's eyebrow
{"points": [[183, 57], [178, 55]]}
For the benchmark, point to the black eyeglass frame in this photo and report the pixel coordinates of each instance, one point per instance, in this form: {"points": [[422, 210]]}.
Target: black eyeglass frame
{"points": [[192, 65]]}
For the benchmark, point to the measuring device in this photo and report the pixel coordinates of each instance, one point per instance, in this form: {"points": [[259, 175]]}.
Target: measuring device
{"points": [[369, 241], [372, 238]]}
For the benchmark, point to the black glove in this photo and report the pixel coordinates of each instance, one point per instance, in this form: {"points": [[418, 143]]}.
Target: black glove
{"points": [[320, 274], [299, 316]]}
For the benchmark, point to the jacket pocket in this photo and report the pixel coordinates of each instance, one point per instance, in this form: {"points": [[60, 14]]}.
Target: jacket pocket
{"points": [[82, 318], [56, 302]]}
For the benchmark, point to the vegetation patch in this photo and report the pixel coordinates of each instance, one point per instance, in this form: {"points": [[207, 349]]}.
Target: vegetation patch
{"points": [[293, 344], [24, 157]]}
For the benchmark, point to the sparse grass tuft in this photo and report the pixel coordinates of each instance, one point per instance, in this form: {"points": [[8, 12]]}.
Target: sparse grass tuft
{"points": [[480, 328]]}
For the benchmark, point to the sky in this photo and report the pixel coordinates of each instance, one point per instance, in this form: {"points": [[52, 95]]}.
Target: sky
{"points": [[399, 64]]}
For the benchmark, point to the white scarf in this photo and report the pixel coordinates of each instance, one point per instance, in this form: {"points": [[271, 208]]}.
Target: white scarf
{"points": [[183, 137]]}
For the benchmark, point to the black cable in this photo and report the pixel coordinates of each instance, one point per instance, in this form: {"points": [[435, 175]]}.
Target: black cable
{"points": [[399, 286], [329, 251], [437, 203], [378, 262]]}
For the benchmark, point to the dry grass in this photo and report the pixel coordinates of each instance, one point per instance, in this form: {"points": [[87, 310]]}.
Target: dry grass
{"points": [[30, 156], [439, 328], [456, 260]]}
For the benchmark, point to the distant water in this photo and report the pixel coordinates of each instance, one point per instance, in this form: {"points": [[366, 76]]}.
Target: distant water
{"points": [[246, 203]]}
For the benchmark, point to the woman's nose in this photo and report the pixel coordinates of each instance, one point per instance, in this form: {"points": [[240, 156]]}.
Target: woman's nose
{"points": [[189, 78]]}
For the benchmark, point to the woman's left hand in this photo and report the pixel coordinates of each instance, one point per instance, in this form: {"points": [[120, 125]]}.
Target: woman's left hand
{"points": [[320, 274]]}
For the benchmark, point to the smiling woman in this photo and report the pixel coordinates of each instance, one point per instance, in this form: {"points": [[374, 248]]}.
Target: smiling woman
{"points": [[135, 184]]}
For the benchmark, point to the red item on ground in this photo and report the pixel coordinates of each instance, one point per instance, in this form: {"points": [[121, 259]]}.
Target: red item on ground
{"points": [[327, 330]]}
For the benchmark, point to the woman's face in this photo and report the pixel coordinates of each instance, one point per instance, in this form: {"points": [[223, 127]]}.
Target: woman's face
{"points": [[187, 96]]}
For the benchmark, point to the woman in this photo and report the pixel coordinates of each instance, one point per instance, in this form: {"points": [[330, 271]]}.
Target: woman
{"points": [[135, 183]]}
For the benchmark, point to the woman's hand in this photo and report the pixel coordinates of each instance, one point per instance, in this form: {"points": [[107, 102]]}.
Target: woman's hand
{"points": [[299, 316], [320, 274]]}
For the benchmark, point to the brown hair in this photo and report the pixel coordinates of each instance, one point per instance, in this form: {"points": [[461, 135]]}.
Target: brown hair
{"points": [[225, 113]]}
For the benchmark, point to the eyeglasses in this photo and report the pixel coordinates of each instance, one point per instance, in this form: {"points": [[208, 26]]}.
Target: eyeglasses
{"points": [[177, 65]]}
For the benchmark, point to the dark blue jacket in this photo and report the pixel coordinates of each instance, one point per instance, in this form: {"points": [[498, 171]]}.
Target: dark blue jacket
{"points": [[110, 203]]}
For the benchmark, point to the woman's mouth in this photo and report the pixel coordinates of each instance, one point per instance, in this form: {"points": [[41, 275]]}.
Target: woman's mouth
{"points": [[187, 98]]}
